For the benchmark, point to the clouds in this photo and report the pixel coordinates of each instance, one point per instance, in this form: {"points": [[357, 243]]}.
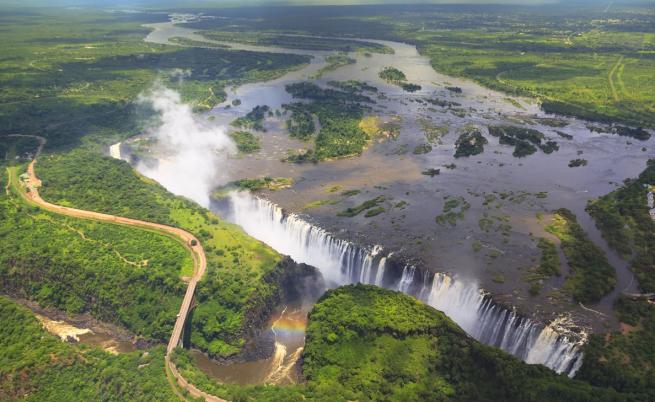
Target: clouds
{"points": [[192, 152]]}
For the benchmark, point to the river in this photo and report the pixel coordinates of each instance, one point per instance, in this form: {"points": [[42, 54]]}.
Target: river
{"points": [[332, 244]]}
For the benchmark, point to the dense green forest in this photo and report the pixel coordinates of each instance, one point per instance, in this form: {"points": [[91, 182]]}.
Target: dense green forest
{"points": [[123, 275], [591, 276], [369, 344], [38, 366], [623, 219], [625, 360], [233, 292], [339, 113]]}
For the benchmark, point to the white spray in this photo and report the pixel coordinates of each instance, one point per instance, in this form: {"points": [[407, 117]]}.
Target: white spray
{"points": [[192, 151]]}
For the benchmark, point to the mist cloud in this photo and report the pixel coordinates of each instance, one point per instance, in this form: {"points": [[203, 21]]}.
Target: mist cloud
{"points": [[192, 151]]}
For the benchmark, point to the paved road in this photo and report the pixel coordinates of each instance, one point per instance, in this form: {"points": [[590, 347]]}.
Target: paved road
{"points": [[190, 242]]}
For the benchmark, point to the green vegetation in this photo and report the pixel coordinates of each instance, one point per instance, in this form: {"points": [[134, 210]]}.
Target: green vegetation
{"points": [[350, 193], [470, 142], [577, 162], [37, 366], [290, 41], [549, 264], [431, 172], [592, 276], [374, 212], [353, 86], [254, 119], [564, 135], [604, 81], [394, 76], [454, 208], [624, 361], [333, 62], [581, 60], [422, 149], [17, 149], [118, 274], [74, 73], [525, 140], [195, 43], [339, 114], [234, 288], [301, 123], [433, 133], [623, 219], [369, 344], [268, 183], [366, 205], [247, 142]]}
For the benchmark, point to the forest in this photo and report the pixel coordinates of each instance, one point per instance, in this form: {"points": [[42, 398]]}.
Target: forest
{"points": [[623, 219], [37, 366], [339, 113], [118, 274], [237, 263], [591, 276], [85, 82]]}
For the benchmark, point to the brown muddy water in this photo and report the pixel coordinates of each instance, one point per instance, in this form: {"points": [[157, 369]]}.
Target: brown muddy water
{"points": [[288, 333], [83, 329]]}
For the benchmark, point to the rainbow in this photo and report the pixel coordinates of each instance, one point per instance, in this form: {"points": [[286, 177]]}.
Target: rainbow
{"points": [[290, 326]]}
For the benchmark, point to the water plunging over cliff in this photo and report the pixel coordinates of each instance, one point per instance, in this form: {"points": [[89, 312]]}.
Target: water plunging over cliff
{"points": [[342, 262]]}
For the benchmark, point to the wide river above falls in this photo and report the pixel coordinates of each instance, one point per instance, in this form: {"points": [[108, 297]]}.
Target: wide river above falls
{"points": [[524, 189]]}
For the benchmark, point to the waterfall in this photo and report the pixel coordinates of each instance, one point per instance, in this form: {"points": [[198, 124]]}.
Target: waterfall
{"points": [[342, 262], [115, 151]]}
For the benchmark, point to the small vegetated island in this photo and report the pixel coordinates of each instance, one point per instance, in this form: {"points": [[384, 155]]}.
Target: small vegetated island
{"points": [[293, 42], [394, 76], [525, 141], [254, 119], [339, 108], [470, 142]]}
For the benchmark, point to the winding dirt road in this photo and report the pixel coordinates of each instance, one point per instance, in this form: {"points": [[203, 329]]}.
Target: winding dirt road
{"points": [[192, 244]]}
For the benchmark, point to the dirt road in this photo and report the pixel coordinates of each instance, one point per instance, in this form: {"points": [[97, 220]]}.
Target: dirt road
{"points": [[190, 242]]}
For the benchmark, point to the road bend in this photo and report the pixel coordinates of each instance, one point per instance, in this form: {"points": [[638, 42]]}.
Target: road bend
{"points": [[192, 244]]}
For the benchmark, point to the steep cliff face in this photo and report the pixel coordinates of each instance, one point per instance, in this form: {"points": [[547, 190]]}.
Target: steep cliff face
{"points": [[403, 349], [289, 282]]}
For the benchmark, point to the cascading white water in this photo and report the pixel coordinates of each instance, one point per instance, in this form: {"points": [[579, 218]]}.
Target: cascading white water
{"points": [[342, 262], [115, 151]]}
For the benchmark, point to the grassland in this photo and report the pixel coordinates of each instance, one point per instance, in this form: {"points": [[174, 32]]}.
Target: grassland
{"points": [[596, 74]]}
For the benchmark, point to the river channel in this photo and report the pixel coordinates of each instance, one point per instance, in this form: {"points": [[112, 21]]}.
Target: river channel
{"points": [[524, 191]]}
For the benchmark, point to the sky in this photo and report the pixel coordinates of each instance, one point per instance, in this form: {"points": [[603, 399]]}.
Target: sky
{"points": [[232, 3]]}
